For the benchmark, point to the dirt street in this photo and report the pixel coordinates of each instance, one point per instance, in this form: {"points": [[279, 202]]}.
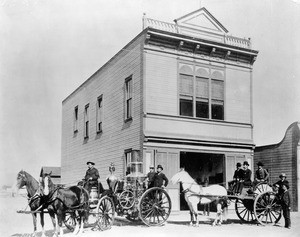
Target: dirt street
{"points": [[15, 224]]}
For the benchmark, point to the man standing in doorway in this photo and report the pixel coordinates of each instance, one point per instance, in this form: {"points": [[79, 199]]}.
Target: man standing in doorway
{"points": [[150, 177], [160, 179]]}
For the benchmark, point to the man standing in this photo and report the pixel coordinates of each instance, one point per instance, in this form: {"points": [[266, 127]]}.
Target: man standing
{"points": [[91, 176], [281, 182], [261, 174], [150, 177], [286, 206], [160, 179]]}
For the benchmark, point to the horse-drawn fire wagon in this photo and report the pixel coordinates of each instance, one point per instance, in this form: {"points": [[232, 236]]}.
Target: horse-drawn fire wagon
{"points": [[129, 198], [262, 204]]}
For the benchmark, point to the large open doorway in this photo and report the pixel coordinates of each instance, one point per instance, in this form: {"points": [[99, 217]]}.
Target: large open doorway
{"points": [[205, 168]]}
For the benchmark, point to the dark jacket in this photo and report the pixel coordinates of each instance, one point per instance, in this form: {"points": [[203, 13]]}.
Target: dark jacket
{"points": [[286, 199], [281, 183], [239, 174], [261, 174], [92, 173], [247, 177], [159, 178], [150, 177]]}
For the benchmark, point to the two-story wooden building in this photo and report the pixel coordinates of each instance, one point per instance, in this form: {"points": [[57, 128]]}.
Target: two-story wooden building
{"points": [[177, 95]]}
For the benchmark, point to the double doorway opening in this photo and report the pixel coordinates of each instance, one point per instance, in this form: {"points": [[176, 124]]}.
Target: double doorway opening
{"points": [[204, 168]]}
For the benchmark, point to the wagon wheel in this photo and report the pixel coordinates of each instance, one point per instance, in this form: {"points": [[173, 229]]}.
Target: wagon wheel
{"points": [[69, 221], [154, 207], [267, 208], [244, 210], [262, 187], [106, 213], [126, 199]]}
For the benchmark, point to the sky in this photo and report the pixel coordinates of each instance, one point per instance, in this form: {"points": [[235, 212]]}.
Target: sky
{"points": [[50, 47]]}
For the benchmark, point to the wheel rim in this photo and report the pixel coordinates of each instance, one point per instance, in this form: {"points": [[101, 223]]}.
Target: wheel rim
{"points": [[154, 207], [244, 210], [126, 199], [106, 213], [267, 208]]}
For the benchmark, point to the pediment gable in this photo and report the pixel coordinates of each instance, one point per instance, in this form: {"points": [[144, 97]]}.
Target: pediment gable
{"points": [[201, 20]]}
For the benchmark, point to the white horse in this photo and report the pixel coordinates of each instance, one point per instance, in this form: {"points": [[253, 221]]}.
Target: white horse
{"points": [[195, 193]]}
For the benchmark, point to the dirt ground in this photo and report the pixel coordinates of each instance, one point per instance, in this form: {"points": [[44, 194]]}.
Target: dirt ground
{"points": [[15, 224]]}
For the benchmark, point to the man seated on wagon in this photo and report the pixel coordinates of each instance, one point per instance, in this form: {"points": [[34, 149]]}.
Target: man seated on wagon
{"points": [[261, 174], [238, 177], [91, 177]]}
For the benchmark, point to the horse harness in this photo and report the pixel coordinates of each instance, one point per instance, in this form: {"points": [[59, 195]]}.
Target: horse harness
{"points": [[52, 198]]}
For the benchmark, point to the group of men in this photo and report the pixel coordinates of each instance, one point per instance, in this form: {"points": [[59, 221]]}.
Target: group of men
{"points": [[154, 179], [242, 178]]}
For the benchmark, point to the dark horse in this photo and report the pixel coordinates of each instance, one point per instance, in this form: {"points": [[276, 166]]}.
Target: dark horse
{"points": [[35, 197], [74, 200]]}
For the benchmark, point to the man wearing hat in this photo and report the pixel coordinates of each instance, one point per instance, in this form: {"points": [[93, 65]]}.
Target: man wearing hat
{"points": [[261, 174], [238, 176], [247, 174], [91, 176], [281, 182], [160, 179], [286, 205], [150, 177]]}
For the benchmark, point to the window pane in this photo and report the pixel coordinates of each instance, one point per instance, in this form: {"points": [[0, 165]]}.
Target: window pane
{"points": [[217, 110], [128, 112], [186, 107], [217, 89], [201, 87], [186, 84], [202, 109]]}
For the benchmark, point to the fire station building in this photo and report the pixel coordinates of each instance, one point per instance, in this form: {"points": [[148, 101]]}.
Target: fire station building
{"points": [[179, 94]]}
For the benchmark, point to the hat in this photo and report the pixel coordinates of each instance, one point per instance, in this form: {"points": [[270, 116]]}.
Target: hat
{"points": [[90, 162], [159, 166], [282, 175], [151, 167], [246, 163], [238, 164], [260, 163]]}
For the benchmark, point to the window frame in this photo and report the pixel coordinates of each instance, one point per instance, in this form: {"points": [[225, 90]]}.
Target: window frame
{"points": [[86, 121], [128, 98], [75, 119], [99, 114], [195, 97]]}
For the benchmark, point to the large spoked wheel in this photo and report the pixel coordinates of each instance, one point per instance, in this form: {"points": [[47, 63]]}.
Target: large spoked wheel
{"points": [[106, 213], [154, 207], [244, 210], [267, 208], [69, 221], [262, 187], [126, 199]]}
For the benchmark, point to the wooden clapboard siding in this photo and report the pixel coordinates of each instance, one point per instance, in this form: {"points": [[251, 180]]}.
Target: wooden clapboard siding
{"points": [[282, 158], [161, 84], [117, 135], [238, 95]]}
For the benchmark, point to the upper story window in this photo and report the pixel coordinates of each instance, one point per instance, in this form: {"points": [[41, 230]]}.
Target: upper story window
{"points": [[99, 113], [128, 98], [201, 92], [86, 121], [75, 120]]}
